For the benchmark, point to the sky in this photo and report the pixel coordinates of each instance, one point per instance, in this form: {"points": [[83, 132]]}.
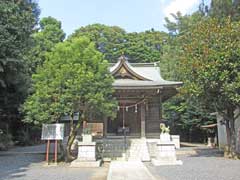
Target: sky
{"points": [[131, 15]]}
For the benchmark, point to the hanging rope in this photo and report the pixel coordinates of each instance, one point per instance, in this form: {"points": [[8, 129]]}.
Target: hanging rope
{"points": [[132, 105], [139, 102]]}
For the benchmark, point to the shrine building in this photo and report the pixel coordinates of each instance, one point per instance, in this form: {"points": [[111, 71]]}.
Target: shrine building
{"points": [[140, 91]]}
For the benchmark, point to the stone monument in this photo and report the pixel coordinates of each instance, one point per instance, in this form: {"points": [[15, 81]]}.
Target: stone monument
{"points": [[165, 150], [86, 153]]}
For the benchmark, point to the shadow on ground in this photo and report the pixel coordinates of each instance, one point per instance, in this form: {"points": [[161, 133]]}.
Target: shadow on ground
{"points": [[14, 166], [207, 152], [27, 163]]}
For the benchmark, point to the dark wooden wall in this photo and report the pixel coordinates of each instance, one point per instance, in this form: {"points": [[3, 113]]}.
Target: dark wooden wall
{"points": [[132, 120], [153, 117]]}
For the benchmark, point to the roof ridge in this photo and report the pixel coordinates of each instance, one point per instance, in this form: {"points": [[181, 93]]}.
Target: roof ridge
{"points": [[139, 64]]}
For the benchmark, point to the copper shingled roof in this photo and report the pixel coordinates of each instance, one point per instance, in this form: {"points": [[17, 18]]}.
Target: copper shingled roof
{"points": [[138, 75]]}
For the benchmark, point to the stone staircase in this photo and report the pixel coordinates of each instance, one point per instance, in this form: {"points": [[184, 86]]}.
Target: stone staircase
{"points": [[114, 149], [138, 150]]}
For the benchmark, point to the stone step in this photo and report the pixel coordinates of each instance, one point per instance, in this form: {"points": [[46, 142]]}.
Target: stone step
{"points": [[138, 150]]}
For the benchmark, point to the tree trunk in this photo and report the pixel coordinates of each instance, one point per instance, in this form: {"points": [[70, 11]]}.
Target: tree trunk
{"points": [[69, 156], [71, 138], [228, 133], [231, 134]]}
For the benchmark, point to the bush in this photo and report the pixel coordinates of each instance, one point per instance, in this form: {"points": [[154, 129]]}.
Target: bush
{"points": [[28, 136], [5, 141]]}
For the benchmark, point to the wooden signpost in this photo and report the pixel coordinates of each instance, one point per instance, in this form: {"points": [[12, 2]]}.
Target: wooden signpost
{"points": [[52, 133]]}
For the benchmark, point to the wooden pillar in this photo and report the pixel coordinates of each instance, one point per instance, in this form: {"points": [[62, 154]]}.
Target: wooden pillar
{"points": [[55, 151], [47, 151], [143, 121], [160, 106], [105, 122]]}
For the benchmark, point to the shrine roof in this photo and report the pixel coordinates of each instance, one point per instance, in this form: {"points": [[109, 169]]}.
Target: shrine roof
{"points": [[138, 75], [136, 84]]}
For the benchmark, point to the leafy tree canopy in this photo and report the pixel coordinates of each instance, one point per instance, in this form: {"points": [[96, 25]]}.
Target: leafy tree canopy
{"points": [[17, 22], [144, 46], [74, 78], [113, 41], [210, 66], [108, 39], [225, 8], [49, 34], [182, 23], [186, 26], [210, 61]]}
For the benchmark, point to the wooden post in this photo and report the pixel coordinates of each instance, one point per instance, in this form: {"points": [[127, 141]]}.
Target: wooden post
{"points": [[55, 152], [84, 124], [47, 150], [143, 125], [160, 106], [123, 122], [105, 123]]}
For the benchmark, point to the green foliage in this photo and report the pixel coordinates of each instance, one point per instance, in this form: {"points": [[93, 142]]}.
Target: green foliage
{"points": [[113, 41], [169, 59], [206, 45], [108, 39], [74, 77], [172, 46], [17, 22], [5, 141], [186, 116], [220, 9], [49, 34], [210, 66], [182, 24], [184, 113], [210, 62], [236, 10], [145, 46], [28, 135]]}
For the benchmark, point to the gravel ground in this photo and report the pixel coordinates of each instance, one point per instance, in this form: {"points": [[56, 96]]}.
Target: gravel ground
{"points": [[207, 164], [32, 167], [39, 149]]}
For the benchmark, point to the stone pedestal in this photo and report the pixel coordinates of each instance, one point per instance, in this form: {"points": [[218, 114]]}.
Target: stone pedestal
{"points": [[165, 137], [166, 154], [176, 140], [87, 151], [86, 155], [87, 138]]}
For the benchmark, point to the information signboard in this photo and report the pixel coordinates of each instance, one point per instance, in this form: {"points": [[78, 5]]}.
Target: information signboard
{"points": [[53, 131]]}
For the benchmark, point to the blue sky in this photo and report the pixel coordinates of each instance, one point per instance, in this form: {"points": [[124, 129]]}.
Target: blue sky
{"points": [[132, 15]]}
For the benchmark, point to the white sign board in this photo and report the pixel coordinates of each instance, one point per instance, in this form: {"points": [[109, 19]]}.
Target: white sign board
{"points": [[53, 131]]}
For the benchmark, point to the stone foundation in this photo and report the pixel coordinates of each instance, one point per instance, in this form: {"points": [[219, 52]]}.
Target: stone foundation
{"points": [[166, 154], [86, 155], [87, 151], [79, 163], [176, 140]]}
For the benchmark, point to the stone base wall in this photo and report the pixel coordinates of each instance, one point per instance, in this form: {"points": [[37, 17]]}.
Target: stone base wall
{"points": [[86, 152]]}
